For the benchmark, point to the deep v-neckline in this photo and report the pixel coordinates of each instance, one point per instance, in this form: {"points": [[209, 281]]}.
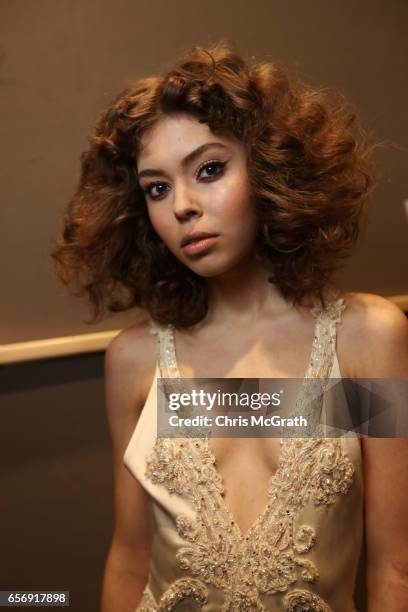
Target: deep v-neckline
{"points": [[310, 372]]}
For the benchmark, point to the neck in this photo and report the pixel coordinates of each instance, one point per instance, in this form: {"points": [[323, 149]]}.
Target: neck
{"points": [[243, 294]]}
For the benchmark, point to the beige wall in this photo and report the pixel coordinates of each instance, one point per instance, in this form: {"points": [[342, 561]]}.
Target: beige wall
{"points": [[62, 61]]}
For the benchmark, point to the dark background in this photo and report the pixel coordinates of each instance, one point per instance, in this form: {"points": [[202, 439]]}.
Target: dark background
{"points": [[61, 63]]}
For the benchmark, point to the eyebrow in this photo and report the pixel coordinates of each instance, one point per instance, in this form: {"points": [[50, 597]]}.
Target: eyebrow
{"points": [[186, 160]]}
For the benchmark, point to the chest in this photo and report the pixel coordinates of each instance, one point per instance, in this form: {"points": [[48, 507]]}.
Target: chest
{"points": [[306, 466], [273, 355], [239, 459], [247, 465]]}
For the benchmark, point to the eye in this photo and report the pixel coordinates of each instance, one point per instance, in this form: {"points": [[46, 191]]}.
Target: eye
{"points": [[160, 192], [213, 168]]}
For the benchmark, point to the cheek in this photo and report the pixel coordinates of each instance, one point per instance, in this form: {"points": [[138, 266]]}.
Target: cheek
{"points": [[159, 222], [234, 201]]}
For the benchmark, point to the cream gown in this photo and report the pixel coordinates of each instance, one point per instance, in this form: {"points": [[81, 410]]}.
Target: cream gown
{"points": [[301, 553]]}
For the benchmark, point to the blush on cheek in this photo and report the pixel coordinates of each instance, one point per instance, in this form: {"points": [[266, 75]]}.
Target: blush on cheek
{"points": [[234, 200]]}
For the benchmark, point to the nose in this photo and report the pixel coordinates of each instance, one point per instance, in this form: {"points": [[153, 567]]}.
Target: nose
{"points": [[186, 205]]}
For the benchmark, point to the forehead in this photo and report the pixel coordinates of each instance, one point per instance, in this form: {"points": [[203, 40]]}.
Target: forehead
{"points": [[174, 136]]}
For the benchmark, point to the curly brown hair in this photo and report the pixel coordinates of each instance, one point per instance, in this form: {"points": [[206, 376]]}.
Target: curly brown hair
{"points": [[308, 168]]}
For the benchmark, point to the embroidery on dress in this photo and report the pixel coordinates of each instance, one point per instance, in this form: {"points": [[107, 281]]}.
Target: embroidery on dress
{"points": [[181, 589], [304, 601], [271, 556]]}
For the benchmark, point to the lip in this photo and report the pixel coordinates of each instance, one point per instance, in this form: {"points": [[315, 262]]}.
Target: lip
{"points": [[193, 236], [200, 245]]}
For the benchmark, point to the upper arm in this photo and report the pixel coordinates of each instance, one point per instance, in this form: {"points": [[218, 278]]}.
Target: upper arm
{"points": [[373, 341], [376, 346], [129, 369], [385, 463]]}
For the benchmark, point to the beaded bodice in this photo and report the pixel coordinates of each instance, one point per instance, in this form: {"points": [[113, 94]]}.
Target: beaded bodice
{"points": [[200, 558]]}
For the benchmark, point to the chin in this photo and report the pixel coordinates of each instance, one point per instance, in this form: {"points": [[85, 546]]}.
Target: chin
{"points": [[207, 269]]}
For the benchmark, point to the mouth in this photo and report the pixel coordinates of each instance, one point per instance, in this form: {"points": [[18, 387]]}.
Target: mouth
{"points": [[196, 236], [198, 243]]}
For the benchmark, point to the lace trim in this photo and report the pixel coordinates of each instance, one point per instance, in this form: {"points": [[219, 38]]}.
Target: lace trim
{"points": [[167, 356], [310, 400]]}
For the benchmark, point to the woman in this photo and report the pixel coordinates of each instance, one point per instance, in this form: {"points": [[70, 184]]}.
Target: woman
{"points": [[221, 197]]}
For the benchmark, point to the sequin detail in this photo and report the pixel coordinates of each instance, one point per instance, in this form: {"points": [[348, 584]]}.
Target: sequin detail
{"points": [[184, 588], [304, 601], [272, 555]]}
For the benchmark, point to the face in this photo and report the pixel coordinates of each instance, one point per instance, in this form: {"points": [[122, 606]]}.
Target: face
{"points": [[197, 182]]}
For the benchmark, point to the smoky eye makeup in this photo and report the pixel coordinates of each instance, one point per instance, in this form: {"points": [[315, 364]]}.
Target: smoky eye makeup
{"points": [[147, 190], [213, 167], [211, 164]]}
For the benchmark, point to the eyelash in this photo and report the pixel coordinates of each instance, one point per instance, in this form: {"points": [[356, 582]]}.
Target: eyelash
{"points": [[206, 164]]}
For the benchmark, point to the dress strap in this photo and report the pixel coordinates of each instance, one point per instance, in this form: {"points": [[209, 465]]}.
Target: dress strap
{"points": [[334, 306], [325, 336], [167, 356], [317, 377]]}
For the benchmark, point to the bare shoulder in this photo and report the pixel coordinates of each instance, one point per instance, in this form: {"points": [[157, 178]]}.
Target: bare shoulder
{"points": [[130, 361], [368, 312], [373, 337], [133, 352]]}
